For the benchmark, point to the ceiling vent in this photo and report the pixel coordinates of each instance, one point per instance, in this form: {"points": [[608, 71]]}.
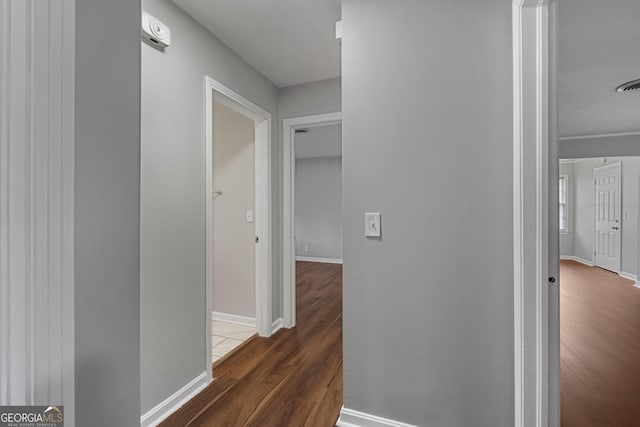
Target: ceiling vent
{"points": [[629, 86]]}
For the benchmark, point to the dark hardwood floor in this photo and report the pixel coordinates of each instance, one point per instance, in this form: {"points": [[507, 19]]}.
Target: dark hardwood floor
{"points": [[293, 378], [599, 348]]}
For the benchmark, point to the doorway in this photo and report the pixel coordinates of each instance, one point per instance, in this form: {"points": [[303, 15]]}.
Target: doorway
{"points": [[243, 223], [290, 126]]}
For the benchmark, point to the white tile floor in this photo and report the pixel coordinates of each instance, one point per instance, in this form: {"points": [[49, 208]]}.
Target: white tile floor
{"points": [[227, 336]]}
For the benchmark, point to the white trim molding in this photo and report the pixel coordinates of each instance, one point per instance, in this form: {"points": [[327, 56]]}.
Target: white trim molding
{"points": [[263, 193], [577, 259], [172, 403], [535, 144], [276, 325], [288, 207], [37, 127], [234, 318], [628, 276], [317, 259], [352, 418]]}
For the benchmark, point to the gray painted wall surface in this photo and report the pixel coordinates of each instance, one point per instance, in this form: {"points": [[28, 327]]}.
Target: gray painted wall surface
{"points": [[428, 308], [234, 261], [566, 239], [173, 185], [107, 213], [318, 199], [585, 210], [310, 98], [617, 145]]}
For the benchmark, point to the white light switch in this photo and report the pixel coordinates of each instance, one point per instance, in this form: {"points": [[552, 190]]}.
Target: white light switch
{"points": [[372, 225], [249, 215]]}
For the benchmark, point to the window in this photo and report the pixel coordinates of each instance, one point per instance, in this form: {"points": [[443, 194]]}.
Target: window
{"points": [[563, 203]]}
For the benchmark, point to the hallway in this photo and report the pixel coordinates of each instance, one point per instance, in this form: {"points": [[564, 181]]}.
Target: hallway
{"points": [[600, 348], [293, 378]]}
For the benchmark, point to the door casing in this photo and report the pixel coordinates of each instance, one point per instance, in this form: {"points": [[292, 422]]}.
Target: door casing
{"points": [[262, 217]]}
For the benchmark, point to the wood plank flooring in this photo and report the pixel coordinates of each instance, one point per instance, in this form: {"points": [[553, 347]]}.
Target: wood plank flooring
{"points": [[599, 348], [293, 378]]}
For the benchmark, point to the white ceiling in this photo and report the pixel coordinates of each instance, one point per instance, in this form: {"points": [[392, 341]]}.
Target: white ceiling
{"points": [[321, 141], [599, 50], [288, 41]]}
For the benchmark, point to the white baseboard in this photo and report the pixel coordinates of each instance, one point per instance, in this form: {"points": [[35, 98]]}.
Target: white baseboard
{"points": [[637, 285], [577, 259], [171, 404], [351, 418], [315, 259], [234, 318], [629, 276], [276, 325]]}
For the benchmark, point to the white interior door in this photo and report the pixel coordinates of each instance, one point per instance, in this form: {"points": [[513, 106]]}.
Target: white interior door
{"points": [[608, 205]]}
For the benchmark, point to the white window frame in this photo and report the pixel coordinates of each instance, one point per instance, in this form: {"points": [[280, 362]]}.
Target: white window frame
{"points": [[566, 203]]}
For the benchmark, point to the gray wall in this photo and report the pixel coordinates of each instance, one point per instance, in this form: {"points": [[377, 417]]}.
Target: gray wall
{"points": [[234, 261], [584, 217], [107, 208], [428, 308], [318, 198], [310, 98], [173, 185], [615, 145], [566, 239]]}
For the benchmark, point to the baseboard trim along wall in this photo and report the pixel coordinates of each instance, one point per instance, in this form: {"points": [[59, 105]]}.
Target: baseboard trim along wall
{"points": [[276, 325], [161, 411], [351, 418], [315, 259], [578, 259], [234, 318], [628, 276]]}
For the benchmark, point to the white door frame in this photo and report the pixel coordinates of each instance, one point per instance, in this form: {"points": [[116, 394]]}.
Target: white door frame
{"points": [[595, 225], [535, 172], [288, 207], [262, 217], [37, 187]]}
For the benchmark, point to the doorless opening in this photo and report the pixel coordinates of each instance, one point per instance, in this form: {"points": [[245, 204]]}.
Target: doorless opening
{"points": [[260, 215], [288, 207]]}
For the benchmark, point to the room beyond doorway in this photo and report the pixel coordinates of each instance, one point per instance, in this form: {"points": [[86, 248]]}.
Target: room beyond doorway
{"points": [[290, 248]]}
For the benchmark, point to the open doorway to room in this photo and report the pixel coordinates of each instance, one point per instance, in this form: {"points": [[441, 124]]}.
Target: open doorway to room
{"points": [[238, 232], [234, 283]]}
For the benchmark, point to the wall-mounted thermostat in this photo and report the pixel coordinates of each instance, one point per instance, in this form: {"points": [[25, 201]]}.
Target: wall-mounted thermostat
{"points": [[155, 32]]}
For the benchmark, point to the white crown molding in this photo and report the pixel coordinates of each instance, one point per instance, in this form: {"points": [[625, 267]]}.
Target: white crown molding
{"points": [[161, 411], [37, 110]]}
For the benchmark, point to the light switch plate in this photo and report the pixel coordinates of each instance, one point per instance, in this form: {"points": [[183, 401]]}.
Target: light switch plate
{"points": [[249, 216], [372, 225]]}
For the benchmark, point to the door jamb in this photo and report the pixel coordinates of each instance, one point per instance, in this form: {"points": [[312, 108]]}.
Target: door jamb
{"points": [[535, 165], [595, 225], [263, 192], [288, 207]]}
